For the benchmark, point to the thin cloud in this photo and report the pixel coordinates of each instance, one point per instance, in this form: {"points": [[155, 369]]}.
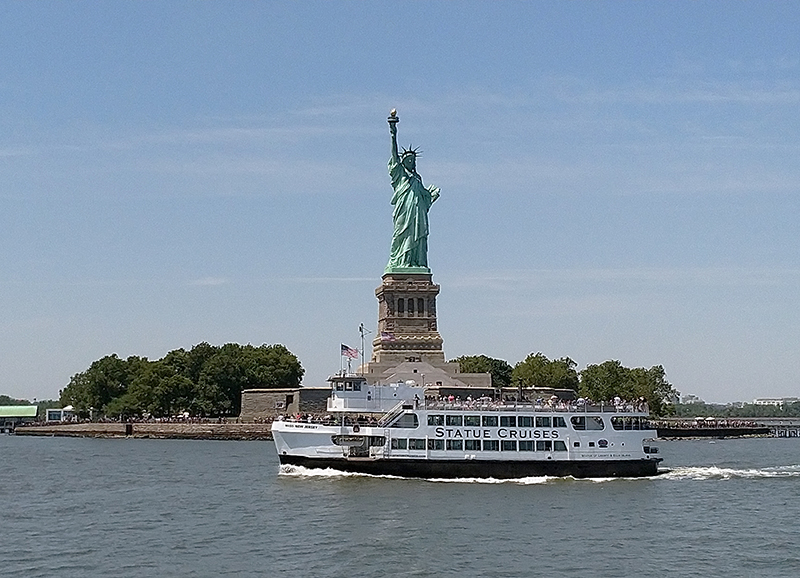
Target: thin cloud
{"points": [[316, 280], [211, 281], [675, 276], [16, 152], [683, 91]]}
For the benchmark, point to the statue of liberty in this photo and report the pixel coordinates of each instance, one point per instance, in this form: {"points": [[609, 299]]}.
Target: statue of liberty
{"points": [[411, 200]]}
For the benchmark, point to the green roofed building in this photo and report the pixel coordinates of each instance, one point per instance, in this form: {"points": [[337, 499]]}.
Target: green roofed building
{"points": [[13, 415]]}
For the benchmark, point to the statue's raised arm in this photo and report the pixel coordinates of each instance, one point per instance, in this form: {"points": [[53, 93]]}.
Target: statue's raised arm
{"points": [[411, 200], [393, 120]]}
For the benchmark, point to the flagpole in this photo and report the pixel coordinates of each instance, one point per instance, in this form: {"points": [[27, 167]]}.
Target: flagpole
{"points": [[363, 332]]}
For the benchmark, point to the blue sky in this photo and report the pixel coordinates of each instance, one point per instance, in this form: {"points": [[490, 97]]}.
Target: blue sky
{"points": [[619, 181]]}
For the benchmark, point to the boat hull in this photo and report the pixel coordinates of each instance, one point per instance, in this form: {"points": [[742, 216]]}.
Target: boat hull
{"points": [[449, 469]]}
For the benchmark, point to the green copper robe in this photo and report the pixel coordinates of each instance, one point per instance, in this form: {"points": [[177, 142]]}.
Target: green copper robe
{"points": [[411, 202]]}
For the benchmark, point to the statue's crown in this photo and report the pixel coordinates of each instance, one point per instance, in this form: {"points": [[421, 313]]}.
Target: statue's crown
{"points": [[410, 151]]}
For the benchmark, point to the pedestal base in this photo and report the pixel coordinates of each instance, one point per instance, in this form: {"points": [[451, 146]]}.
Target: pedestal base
{"points": [[407, 327]]}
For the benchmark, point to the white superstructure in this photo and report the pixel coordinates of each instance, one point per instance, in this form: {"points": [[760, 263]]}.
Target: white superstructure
{"points": [[395, 429]]}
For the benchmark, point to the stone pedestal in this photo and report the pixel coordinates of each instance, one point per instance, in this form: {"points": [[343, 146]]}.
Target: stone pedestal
{"points": [[407, 328]]}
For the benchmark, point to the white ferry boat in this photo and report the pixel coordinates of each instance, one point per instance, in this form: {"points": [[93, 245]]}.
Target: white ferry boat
{"points": [[395, 430]]}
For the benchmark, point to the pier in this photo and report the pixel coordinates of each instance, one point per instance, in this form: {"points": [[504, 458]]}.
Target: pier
{"points": [[728, 427], [163, 430], [782, 427]]}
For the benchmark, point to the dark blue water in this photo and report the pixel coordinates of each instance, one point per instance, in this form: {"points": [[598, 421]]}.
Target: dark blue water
{"points": [[83, 507]]}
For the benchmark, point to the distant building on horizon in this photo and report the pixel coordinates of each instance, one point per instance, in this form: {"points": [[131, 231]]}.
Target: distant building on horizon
{"points": [[776, 401]]}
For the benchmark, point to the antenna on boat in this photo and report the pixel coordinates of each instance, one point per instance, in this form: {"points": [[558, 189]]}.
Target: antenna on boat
{"points": [[363, 330]]}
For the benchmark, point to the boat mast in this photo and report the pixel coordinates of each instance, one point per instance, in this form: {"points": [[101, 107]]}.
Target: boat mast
{"points": [[363, 330]]}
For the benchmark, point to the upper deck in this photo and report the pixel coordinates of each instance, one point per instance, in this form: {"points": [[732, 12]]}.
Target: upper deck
{"points": [[353, 394], [533, 407]]}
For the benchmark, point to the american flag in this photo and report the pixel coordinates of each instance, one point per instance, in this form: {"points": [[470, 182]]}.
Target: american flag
{"points": [[349, 352], [385, 336]]}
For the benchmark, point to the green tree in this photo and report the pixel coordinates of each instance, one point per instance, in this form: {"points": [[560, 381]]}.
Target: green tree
{"points": [[190, 363], [6, 400], [605, 381], [499, 368], [652, 385], [158, 390], [105, 380], [610, 379], [207, 380], [537, 370], [235, 368], [126, 405]]}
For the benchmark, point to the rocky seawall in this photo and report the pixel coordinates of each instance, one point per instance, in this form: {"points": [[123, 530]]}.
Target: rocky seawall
{"points": [[713, 432], [194, 431]]}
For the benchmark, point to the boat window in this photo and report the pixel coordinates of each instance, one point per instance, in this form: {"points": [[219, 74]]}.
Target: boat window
{"points": [[399, 444], [602, 443], [474, 445], [491, 445], [589, 422], [594, 422], [543, 422], [526, 446], [525, 421], [634, 423], [435, 444], [453, 420], [559, 446], [489, 421], [408, 420], [544, 446], [356, 386], [509, 446], [455, 445], [559, 421], [348, 386], [508, 421], [348, 440], [416, 444], [591, 444], [576, 444], [435, 420], [339, 386], [472, 420]]}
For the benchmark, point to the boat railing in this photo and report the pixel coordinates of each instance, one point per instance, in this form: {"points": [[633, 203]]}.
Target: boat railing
{"points": [[535, 407], [390, 415]]}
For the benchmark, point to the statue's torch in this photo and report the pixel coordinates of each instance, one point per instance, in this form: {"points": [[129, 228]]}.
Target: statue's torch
{"points": [[393, 118]]}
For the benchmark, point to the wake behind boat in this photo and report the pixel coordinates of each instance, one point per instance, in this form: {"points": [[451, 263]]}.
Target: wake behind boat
{"points": [[395, 429]]}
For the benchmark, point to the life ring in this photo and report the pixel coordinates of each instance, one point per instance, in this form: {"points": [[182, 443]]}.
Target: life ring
{"points": [[356, 428]]}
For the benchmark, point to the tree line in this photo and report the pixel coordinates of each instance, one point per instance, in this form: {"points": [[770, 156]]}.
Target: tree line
{"points": [[205, 381], [691, 410], [41, 405], [208, 380], [598, 382]]}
